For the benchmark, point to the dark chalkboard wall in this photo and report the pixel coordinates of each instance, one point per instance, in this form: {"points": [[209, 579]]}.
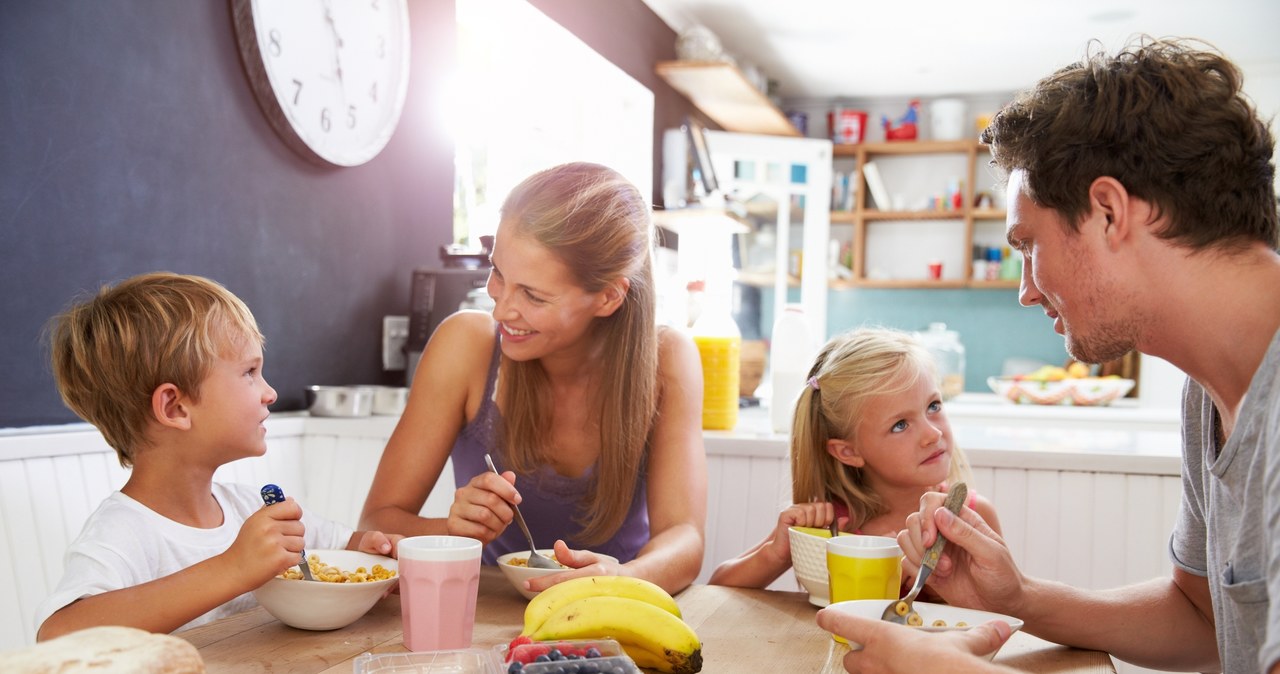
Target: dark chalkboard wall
{"points": [[131, 142]]}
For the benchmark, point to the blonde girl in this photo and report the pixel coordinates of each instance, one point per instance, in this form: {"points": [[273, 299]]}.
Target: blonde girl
{"points": [[869, 438], [592, 411]]}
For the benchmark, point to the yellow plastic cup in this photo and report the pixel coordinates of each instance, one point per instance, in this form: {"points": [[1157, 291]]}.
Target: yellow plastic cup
{"points": [[863, 567]]}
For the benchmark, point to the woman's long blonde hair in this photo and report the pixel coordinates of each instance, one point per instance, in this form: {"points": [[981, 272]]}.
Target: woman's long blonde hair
{"points": [[852, 368], [597, 223]]}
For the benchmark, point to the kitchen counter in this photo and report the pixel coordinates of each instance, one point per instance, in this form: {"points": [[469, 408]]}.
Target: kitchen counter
{"points": [[999, 434]]}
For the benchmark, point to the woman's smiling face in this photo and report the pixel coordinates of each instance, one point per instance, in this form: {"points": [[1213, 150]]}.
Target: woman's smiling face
{"points": [[539, 306]]}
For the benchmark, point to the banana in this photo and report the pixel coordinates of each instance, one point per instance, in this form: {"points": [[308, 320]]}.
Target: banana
{"points": [[659, 639], [553, 598]]}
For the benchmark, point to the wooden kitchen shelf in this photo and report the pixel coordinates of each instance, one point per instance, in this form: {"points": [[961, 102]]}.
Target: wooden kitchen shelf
{"points": [[966, 215], [722, 93]]}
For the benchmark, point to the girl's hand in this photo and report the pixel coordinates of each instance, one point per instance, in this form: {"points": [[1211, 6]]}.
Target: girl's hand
{"points": [[819, 515], [482, 508], [581, 563]]}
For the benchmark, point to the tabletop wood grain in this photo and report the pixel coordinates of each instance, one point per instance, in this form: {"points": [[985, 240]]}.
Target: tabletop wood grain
{"points": [[740, 630]]}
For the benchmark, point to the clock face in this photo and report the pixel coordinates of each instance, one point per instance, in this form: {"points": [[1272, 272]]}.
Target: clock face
{"points": [[330, 74]]}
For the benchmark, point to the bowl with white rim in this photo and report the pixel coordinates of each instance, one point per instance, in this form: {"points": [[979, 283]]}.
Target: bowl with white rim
{"points": [[935, 617]]}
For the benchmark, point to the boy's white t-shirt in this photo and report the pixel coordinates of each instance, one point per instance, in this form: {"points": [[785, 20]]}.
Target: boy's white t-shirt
{"points": [[125, 543]]}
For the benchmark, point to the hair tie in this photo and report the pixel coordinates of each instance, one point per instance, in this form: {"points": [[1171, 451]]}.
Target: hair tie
{"points": [[813, 383]]}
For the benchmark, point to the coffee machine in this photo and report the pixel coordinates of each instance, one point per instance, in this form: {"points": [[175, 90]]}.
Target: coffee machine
{"points": [[436, 292]]}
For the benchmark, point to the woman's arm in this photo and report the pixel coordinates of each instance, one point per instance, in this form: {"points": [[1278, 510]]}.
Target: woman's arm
{"points": [[446, 392], [677, 471]]}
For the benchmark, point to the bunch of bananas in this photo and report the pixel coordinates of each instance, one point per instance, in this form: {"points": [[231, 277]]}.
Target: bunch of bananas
{"points": [[641, 616]]}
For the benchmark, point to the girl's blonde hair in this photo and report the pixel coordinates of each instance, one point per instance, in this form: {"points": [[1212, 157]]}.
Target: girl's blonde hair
{"points": [[110, 352], [851, 369], [597, 223]]}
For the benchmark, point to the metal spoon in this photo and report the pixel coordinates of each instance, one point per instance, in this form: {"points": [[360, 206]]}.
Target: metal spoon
{"points": [[901, 611], [536, 560], [273, 494]]}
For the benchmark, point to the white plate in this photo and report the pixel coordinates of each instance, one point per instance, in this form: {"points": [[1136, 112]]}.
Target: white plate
{"points": [[874, 608]]}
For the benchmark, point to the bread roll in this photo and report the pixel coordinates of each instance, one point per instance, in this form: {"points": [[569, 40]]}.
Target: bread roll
{"points": [[106, 650]]}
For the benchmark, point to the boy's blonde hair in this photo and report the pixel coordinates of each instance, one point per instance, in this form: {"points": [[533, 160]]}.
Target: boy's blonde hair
{"points": [[112, 351], [852, 368]]}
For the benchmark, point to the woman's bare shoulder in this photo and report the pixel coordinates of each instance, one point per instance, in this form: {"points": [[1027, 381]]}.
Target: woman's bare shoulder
{"points": [[462, 337]]}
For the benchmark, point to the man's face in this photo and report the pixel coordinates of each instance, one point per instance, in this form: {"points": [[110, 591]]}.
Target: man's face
{"points": [[1071, 276]]}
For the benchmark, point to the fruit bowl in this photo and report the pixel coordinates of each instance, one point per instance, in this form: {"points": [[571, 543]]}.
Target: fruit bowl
{"points": [[1083, 391], [809, 559], [518, 573], [930, 613]]}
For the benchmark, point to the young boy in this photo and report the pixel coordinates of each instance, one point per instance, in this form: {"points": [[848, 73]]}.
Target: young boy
{"points": [[169, 369]]}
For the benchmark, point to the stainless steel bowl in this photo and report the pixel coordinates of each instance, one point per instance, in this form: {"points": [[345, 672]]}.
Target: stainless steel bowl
{"points": [[390, 400], [339, 401]]}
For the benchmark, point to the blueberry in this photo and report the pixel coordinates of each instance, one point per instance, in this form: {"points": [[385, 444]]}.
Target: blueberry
{"points": [[515, 667], [588, 667], [542, 658], [555, 654], [593, 652]]}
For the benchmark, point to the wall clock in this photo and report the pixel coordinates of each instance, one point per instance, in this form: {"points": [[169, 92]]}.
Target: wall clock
{"points": [[331, 75]]}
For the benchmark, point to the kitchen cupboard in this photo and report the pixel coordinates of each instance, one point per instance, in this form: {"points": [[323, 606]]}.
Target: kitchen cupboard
{"points": [[723, 93], [949, 224]]}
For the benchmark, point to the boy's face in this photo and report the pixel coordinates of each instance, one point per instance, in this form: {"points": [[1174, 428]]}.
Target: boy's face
{"points": [[228, 418]]}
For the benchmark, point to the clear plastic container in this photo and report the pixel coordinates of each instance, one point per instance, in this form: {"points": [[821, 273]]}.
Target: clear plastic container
{"points": [[592, 656], [948, 352], [465, 661]]}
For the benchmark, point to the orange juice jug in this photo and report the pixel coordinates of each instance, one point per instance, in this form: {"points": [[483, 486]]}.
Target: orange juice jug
{"points": [[719, 346]]}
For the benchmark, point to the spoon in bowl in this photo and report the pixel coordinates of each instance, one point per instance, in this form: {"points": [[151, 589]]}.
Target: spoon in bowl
{"points": [[901, 611], [536, 560]]}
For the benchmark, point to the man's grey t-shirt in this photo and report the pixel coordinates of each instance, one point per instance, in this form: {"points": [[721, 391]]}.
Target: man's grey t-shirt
{"points": [[1228, 527]]}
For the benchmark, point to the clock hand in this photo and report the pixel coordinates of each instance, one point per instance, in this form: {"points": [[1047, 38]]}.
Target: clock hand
{"points": [[337, 39]]}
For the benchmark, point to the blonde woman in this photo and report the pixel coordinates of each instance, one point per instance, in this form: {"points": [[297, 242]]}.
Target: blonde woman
{"points": [[870, 437], [592, 411]]}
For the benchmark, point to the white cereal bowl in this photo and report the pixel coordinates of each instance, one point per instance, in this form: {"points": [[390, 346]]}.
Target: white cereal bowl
{"points": [[809, 559], [929, 612], [516, 575], [320, 605]]}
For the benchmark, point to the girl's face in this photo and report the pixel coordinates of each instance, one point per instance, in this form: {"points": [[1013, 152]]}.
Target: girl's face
{"points": [[538, 305], [903, 439]]}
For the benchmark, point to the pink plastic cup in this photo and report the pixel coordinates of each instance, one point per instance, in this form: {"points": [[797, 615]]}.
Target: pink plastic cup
{"points": [[439, 579]]}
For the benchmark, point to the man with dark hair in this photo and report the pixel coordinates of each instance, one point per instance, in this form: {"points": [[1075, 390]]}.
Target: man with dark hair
{"points": [[1142, 198]]}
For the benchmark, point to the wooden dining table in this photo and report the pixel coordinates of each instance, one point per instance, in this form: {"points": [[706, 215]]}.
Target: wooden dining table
{"points": [[741, 630]]}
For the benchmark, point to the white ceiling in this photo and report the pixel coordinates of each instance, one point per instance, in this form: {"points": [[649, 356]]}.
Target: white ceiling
{"points": [[822, 49]]}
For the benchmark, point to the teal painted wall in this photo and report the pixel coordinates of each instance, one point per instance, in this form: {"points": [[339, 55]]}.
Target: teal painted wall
{"points": [[991, 323]]}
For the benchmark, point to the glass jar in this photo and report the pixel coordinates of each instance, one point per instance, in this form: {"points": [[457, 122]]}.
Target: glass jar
{"points": [[948, 352]]}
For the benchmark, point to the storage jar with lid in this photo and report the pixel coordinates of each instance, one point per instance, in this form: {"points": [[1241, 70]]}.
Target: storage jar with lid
{"points": [[948, 352]]}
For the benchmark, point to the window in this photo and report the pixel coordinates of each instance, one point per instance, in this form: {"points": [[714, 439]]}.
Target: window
{"points": [[531, 95]]}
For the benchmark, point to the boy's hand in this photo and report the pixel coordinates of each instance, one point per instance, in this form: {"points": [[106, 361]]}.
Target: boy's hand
{"points": [[269, 542], [375, 543]]}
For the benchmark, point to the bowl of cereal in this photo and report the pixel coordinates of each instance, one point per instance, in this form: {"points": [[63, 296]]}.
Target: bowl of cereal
{"points": [[934, 617], [515, 566], [348, 583], [809, 560]]}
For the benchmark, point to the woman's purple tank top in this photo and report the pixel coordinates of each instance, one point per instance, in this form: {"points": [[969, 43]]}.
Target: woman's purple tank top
{"points": [[551, 501]]}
